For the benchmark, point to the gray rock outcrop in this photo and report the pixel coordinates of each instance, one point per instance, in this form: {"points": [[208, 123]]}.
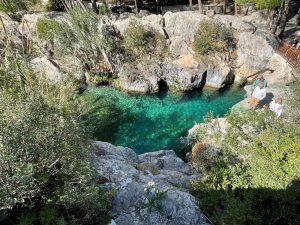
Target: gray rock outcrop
{"points": [[182, 70], [9, 32], [254, 52], [235, 23], [44, 66], [181, 28], [129, 174]]}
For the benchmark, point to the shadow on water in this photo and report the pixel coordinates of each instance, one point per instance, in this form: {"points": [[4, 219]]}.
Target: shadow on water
{"points": [[152, 122]]}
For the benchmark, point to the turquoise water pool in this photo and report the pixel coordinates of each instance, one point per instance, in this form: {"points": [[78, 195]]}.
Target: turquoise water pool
{"points": [[155, 122]]}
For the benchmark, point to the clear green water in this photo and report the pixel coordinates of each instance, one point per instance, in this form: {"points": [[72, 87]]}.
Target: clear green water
{"points": [[155, 122]]}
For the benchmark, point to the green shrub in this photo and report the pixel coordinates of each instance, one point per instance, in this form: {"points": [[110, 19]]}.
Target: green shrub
{"points": [[140, 42], [81, 37], [255, 179], [10, 6], [38, 144], [45, 29], [45, 168], [270, 4], [58, 34], [211, 37], [15, 73]]}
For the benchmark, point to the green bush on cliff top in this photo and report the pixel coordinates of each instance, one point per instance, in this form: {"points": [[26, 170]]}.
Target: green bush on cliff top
{"points": [[45, 158], [212, 37], [270, 4], [140, 42]]}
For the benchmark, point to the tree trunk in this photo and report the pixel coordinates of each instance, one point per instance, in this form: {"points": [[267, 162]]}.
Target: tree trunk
{"points": [[68, 4], [298, 19], [281, 19], [200, 6], [191, 3], [94, 6], [284, 17], [235, 8], [138, 5], [277, 18], [81, 4]]}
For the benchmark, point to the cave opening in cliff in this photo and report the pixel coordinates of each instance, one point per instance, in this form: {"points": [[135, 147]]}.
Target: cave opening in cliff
{"points": [[162, 85]]}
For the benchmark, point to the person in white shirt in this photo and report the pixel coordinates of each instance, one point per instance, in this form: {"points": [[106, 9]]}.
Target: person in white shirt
{"points": [[258, 94], [277, 107]]}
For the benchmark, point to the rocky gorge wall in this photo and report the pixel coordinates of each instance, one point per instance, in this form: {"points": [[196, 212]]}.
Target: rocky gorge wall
{"points": [[181, 69]]}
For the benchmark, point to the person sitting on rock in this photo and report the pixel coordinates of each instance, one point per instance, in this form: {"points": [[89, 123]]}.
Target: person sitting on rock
{"points": [[258, 94], [276, 107], [259, 79]]}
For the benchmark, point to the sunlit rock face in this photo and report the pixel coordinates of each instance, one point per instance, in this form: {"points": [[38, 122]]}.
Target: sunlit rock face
{"points": [[254, 52], [131, 174]]}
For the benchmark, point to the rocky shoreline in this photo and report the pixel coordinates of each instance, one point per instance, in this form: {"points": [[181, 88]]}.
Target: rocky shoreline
{"points": [[128, 173]]}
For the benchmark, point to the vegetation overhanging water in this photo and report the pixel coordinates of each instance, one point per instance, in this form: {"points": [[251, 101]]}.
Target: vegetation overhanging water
{"points": [[153, 122]]}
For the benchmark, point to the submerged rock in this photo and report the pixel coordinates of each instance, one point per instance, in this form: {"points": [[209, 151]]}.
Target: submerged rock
{"points": [[126, 171]]}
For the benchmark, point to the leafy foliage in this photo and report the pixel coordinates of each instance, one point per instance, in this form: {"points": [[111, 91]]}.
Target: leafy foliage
{"points": [[83, 37], [142, 43], [36, 133], [14, 6], [51, 29], [45, 169], [255, 180], [270, 4], [212, 37]]}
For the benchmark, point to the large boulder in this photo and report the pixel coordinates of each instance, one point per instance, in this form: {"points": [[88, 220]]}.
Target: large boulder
{"points": [[183, 74], [140, 78], [280, 71], [234, 22], [254, 52], [181, 78], [9, 33], [259, 19], [129, 174], [47, 68], [183, 24], [181, 28], [154, 22], [122, 23]]}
